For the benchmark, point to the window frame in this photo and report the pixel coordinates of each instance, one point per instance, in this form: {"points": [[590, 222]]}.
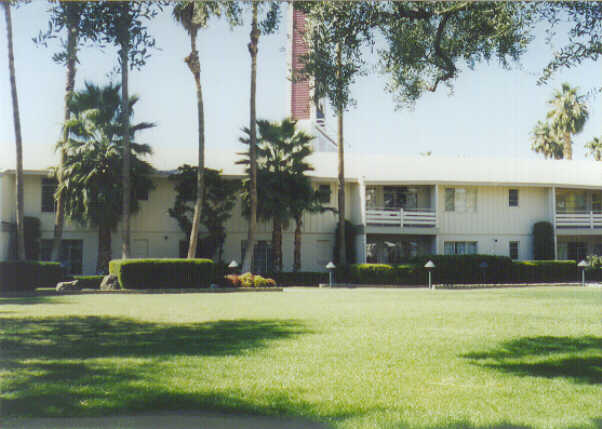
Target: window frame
{"points": [[322, 193], [517, 249], [48, 184]]}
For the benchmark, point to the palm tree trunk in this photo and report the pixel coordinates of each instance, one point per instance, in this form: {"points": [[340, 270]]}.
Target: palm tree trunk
{"points": [[341, 157], [568, 147], [127, 194], [194, 65], [297, 250], [104, 249], [276, 244], [59, 220], [18, 138], [253, 47]]}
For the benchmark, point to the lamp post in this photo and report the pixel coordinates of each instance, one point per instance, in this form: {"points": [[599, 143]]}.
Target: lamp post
{"points": [[429, 267], [233, 266], [483, 267], [330, 267], [583, 265]]}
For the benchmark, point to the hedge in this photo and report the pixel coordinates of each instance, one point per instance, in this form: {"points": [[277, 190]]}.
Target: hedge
{"points": [[300, 278], [89, 282], [25, 276], [163, 273]]}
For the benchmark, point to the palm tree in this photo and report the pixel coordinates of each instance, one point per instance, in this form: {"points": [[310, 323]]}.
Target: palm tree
{"points": [[594, 149], [545, 141], [193, 16], [18, 139], [92, 189], [568, 116]]}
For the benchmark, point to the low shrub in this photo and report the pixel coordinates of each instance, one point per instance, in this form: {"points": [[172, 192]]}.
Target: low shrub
{"points": [[300, 278], [544, 271], [231, 280], [259, 281], [89, 282], [25, 276], [163, 273], [246, 280], [270, 283]]}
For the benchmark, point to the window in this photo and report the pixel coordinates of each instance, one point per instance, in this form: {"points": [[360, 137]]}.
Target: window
{"points": [[460, 200], [571, 201], [371, 198], [575, 250], [371, 252], [460, 247], [513, 249], [48, 191], [513, 197], [397, 197], [142, 194], [597, 201], [71, 254], [324, 192]]}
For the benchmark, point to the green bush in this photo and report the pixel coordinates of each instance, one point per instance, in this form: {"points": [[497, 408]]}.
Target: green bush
{"points": [[300, 278], [163, 273], [25, 276], [246, 280], [371, 273], [544, 271], [89, 282], [259, 281]]}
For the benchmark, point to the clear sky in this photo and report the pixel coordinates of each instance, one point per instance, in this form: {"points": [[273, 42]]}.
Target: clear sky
{"points": [[490, 114]]}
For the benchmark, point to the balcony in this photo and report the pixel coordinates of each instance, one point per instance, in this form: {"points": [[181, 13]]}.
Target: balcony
{"points": [[579, 219], [399, 217]]}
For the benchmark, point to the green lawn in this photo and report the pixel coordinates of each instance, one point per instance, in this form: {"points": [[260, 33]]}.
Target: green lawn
{"points": [[363, 358]]}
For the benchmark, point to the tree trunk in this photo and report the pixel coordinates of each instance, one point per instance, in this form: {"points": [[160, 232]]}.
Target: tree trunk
{"points": [[341, 157], [127, 193], [568, 147], [276, 244], [104, 249], [195, 67], [253, 47], [297, 250], [18, 138], [59, 220]]}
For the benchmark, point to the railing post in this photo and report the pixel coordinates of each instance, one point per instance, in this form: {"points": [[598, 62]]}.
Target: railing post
{"points": [[591, 219], [401, 217]]}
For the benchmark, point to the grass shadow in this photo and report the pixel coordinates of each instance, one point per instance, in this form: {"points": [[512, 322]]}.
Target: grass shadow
{"points": [[48, 367], [576, 358], [30, 300]]}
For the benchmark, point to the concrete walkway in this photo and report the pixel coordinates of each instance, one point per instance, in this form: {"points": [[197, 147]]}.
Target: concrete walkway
{"points": [[172, 420]]}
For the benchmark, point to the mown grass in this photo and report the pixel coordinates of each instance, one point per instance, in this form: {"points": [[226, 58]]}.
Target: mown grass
{"points": [[516, 358]]}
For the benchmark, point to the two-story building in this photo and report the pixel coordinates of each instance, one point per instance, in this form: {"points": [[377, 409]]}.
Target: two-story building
{"points": [[400, 207]]}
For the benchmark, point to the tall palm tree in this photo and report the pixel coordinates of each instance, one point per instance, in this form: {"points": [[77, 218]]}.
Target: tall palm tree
{"points": [[193, 16], [92, 191], [546, 142], [568, 116], [594, 148], [18, 138]]}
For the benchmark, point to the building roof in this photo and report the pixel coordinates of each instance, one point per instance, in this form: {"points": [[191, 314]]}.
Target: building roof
{"points": [[387, 169]]}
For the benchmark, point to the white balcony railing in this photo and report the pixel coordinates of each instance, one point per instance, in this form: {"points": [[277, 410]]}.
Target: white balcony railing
{"points": [[421, 218], [583, 219]]}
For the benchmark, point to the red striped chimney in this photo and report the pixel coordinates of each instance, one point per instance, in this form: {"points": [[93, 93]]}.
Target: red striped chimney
{"points": [[300, 92]]}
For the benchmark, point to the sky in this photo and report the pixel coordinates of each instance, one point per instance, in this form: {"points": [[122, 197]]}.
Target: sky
{"points": [[491, 112]]}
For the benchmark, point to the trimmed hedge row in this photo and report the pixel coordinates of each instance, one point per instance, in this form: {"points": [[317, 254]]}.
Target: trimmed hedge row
{"points": [[25, 276], [163, 273]]}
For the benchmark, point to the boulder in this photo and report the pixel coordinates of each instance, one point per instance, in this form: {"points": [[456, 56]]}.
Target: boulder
{"points": [[68, 286], [110, 282]]}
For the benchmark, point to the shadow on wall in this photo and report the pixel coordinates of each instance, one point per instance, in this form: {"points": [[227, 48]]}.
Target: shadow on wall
{"points": [[575, 358]]}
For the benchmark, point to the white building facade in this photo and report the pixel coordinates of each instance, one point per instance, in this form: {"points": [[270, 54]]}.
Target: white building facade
{"points": [[400, 208]]}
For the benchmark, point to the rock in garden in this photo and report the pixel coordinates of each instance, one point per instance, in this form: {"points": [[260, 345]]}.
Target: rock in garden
{"points": [[68, 286], [110, 282]]}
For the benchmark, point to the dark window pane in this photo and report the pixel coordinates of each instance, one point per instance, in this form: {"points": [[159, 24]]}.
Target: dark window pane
{"points": [[513, 197], [48, 190]]}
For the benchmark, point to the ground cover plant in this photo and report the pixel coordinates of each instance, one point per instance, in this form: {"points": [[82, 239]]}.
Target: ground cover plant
{"points": [[353, 358]]}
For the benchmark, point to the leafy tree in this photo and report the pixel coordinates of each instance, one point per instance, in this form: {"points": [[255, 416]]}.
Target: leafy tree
{"points": [[568, 116], [123, 24], [583, 44], [268, 24], [93, 153], [594, 148], [219, 198], [193, 15], [545, 141], [80, 24], [6, 5], [281, 158]]}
